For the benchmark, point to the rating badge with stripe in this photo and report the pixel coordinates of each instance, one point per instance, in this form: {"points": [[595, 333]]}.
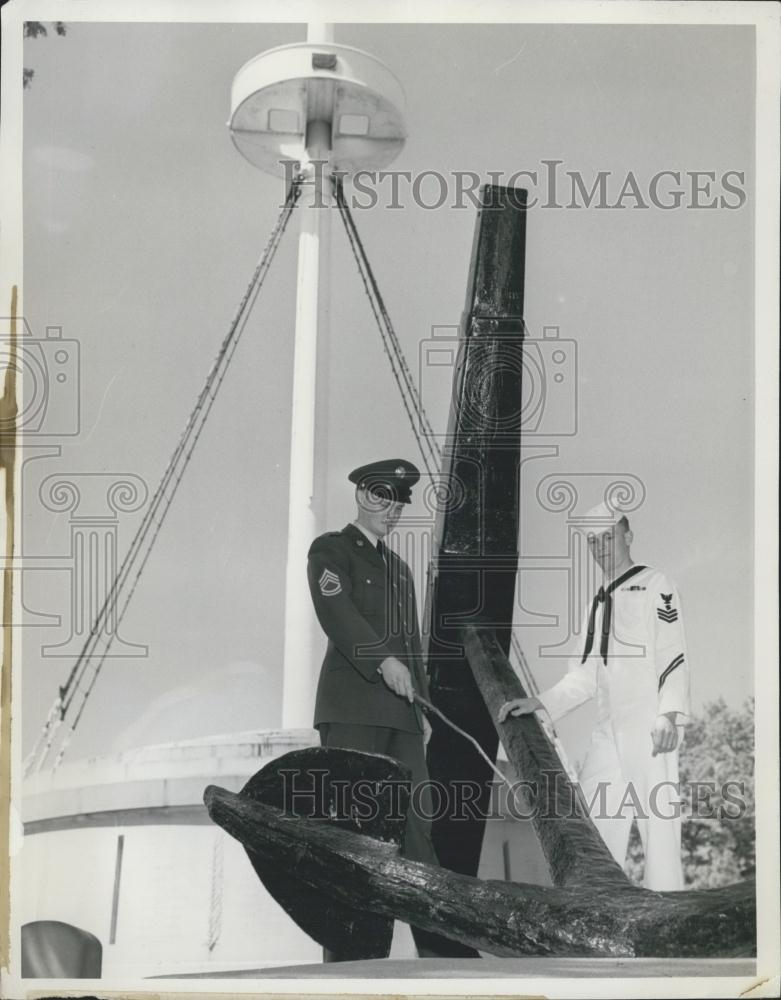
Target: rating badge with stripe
{"points": [[673, 665], [329, 583], [668, 613]]}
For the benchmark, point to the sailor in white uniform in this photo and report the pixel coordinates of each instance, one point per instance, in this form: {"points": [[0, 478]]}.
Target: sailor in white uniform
{"points": [[634, 663]]}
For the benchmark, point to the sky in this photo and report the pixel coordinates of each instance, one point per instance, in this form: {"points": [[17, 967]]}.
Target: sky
{"points": [[142, 225]]}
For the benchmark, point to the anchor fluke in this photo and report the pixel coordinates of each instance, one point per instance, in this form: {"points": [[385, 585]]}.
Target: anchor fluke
{"points": [[360, 793]]}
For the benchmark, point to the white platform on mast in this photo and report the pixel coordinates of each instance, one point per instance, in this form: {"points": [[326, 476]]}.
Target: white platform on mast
{"points": [[278, 92]]}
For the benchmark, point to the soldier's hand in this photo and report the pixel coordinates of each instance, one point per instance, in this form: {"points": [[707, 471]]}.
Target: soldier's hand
{"points": [[664, 735], [397, 677], [520, 706]]}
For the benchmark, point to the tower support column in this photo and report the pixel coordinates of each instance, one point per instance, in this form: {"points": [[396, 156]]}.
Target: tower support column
{"points": [[303, 638]]}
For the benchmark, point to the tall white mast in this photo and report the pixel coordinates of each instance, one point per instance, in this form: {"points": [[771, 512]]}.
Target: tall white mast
{"points": [[328, 107], [303, 636]]}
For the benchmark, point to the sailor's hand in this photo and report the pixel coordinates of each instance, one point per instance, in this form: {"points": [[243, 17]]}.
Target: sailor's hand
{"points": [[397, 677], [520, 706], [426, 731], [664, 735]]}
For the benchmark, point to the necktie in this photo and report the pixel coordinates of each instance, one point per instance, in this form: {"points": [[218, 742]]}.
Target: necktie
{"points": [[381, 548], [592, 621], [607, 614]]}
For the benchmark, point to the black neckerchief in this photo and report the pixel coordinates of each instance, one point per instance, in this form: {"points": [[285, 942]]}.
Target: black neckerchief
{"points": [[605, 595]]}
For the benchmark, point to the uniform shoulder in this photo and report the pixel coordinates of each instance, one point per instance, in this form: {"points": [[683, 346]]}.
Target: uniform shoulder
{"points": [[657, 580], [653, 572], [327, 542]]}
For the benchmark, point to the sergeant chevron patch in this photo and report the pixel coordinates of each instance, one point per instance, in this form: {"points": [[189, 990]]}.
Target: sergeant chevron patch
{"points": [[668, 613], [329, 584]]}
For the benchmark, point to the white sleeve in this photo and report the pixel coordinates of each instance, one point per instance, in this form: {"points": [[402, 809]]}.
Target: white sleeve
{"points": [[670, 655], [575, 687]]}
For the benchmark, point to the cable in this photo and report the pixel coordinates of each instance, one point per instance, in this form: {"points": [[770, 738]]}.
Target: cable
{"points": [[433, 708], [154, 516], [427, 443]]}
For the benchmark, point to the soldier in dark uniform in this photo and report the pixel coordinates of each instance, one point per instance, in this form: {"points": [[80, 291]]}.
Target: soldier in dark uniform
{"points": [[364, 597]]}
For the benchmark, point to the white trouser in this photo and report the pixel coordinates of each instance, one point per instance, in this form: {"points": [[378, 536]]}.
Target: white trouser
{"points": [[621, 781]]}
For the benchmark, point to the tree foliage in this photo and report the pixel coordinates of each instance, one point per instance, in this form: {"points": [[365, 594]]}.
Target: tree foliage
{"points": [[716, 766], [35, 29], [32, 29]]}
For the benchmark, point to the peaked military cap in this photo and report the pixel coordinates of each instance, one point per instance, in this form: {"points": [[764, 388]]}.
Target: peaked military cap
{"points": [[391, 479]]}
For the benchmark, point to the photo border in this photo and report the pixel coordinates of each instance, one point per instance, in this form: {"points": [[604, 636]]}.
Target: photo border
{"points": [[765, 17]]}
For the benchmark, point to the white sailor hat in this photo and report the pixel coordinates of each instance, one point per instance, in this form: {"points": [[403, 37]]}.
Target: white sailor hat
{"points": [[599, 518]]}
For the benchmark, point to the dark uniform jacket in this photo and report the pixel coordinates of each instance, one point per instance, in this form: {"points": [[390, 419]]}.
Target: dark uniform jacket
{"points": [[366, 606]]}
